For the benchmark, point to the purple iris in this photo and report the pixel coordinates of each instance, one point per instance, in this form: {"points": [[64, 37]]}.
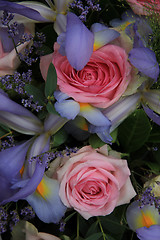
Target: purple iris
{"points": [[151, 233], [19, 177], [76, 43], [143, 58], [21, 10]]}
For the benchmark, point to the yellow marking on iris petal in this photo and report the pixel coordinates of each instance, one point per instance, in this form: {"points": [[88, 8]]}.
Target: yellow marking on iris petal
{"points": [[42, 189], [147, 219], [123, 27], [22, 170], [85, 106], [96, 46]]}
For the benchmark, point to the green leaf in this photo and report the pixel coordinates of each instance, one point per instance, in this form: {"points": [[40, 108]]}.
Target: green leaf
{"points": [[110, 223], [94, 236], [155, 168], [64, 237], [4, 130], [60, 137], [114, 135], [134, 131], [50, 108], [37, 94], [155, 134], [51, 82], [95, 141], [92, 229]]}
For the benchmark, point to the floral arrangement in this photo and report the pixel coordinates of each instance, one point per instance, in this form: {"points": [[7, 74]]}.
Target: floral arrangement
{"points": [[79, 120]]}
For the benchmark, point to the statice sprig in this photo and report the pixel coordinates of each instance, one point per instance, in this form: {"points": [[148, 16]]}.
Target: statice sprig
{"points": [[31, 54], [148, 198], [12, 27], [9, 216], [3, 220], [6, 143], [29, 103], [51, 155], [27, 213], [84, 7], [16, 82]]}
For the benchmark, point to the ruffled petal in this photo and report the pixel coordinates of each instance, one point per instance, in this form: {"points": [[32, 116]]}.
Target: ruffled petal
{"points": [[46, 201]]}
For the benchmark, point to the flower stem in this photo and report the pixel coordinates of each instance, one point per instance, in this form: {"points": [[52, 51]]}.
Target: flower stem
{"points": [[6, 135], [100, 225], [77, 226]]}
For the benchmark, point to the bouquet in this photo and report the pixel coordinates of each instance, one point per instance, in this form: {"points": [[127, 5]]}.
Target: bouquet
{"points": [[79, 120]]}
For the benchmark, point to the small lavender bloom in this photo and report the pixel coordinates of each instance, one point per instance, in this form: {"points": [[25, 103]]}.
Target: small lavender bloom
{"points": [[14, 219], [33, 105], [27, 213], [148, 198], [7, 143], [6, 18], [3, 220], [16, 81], [62, 226], [84, 7]]}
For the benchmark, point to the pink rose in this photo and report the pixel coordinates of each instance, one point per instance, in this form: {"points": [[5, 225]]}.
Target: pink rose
{"points": [[93, 182], [145, 7], [101, 82]]}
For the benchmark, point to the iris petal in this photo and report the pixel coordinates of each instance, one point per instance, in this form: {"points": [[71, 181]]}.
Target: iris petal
{"points": [[121, 109], [79, 42], [153, 232], [151, 114], [145, 217], [46, 201], [145, 61], [93, 115], [30, 185], [68, 109], [152, 97], [103, 35], [12, 159], [22, 10]]}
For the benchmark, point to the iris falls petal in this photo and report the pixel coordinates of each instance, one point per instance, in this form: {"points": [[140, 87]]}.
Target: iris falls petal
{"points": [[142, 217], [93, 115], [46, 201], [68, 108], [103, 35], [153, 232]]}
